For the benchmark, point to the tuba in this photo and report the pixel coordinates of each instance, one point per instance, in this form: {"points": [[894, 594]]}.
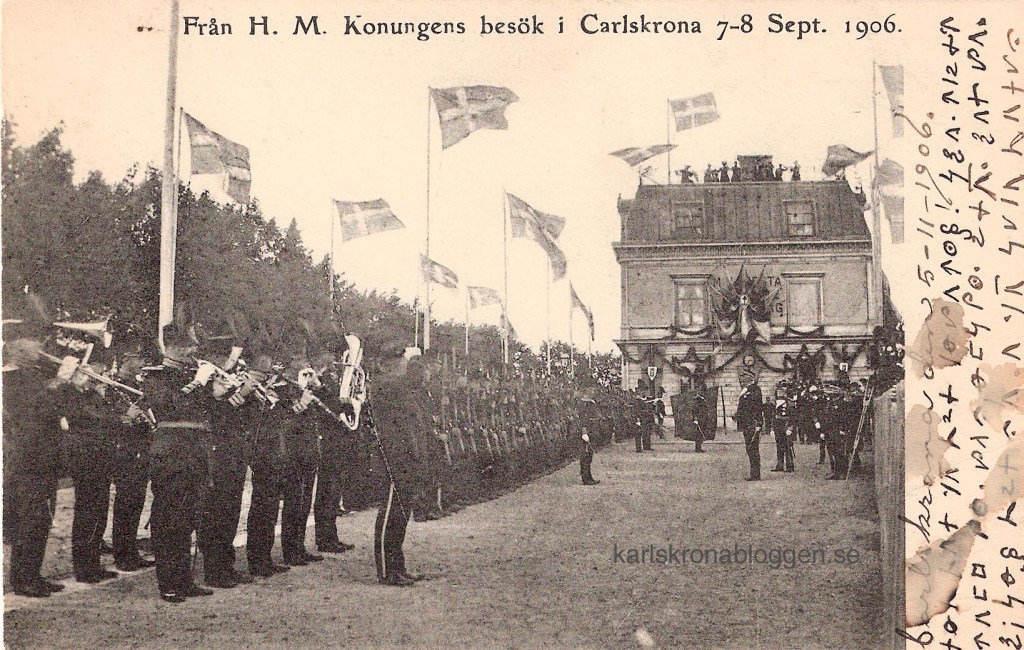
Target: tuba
{"points": [[97, 330], [352, 390]]}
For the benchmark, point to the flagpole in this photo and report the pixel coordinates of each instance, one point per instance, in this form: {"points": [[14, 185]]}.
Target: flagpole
{"points": [[504, 306], [548, 312], [426, 305], [168, 192], [876, 221], [467, 322], [668, 137], [572, 348], [332, 258]]}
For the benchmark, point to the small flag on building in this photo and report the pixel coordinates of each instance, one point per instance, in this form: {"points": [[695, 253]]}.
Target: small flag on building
{"points": [[361, 218], [892, 79], [577, 303], [482, 296], [540, 227], [839, 157], [212, 153], [635, 155], [691, 112], [465, 109], [438, 273]]}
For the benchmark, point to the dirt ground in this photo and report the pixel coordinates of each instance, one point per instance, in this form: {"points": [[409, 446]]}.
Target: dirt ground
{"points": [[536, 568]]}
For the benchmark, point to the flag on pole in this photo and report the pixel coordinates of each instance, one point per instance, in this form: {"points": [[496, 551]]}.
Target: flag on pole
{"points": [[465, 109], [506, 325], [892, 79], [635, 155], [212, 153], [577, 303], [691, 112], [438, 273], [361, 218], [889, 172], [482, 296], [522, 214], [540, 227], [839, 157]]}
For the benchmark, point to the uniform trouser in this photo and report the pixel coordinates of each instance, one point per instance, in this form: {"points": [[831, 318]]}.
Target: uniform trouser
{"points": [[329, 483], [698, 442], [753, 444], [222, 507], [783, 449], [90, 460], [267, 489], [298, 500], [837, 451], [389, 535], [177, 478], [32, 498], [638, 437], [647, 436], [92, 502], [586, 458], [130, 480]]}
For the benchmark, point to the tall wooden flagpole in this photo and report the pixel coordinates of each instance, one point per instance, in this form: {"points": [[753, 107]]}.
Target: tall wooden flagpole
{"points": [[331, 280], [467, 323], [876, 220], [572, 347], [548, 305], [426, 304], [504, 306], [169, 188], [668, 138]]}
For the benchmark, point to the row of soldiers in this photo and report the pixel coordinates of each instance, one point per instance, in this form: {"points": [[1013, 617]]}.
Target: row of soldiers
{"points": [[831, 415], [428, 442]]}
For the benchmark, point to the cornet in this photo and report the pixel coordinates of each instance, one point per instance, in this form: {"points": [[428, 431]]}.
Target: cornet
{"points": [[353, 381]]}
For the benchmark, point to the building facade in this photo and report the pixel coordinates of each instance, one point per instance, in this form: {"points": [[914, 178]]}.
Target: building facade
{"points": [[721, 280]]}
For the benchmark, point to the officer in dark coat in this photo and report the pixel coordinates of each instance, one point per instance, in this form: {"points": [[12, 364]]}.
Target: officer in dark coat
{"points": [[749, 419], [400, 413], [32, 458], [178, 456], [581, 432]]}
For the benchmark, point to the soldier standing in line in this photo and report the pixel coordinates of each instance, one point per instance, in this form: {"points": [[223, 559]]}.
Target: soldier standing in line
{"points": [[230, 416], [783, 430], [32, 461], [268, 462], [131, 472], [399, 417], [748, 418], [337, 447], [178, 460], [302, 461], [92, 424]]}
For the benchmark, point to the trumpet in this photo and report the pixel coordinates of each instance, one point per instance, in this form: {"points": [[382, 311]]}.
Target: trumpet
{"points": [[352, 390], [124, 391]]}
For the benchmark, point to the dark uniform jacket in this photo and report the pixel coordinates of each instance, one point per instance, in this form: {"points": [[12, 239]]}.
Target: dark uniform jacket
{"points": [[401, 414], [31, 424], [749, 409]]}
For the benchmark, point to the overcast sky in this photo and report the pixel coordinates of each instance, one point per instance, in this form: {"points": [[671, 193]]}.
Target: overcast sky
{"points": [[345, 117]]}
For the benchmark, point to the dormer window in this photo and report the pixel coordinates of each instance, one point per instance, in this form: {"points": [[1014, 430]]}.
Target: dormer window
{"points": [[800, 218], [687, 220]]}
